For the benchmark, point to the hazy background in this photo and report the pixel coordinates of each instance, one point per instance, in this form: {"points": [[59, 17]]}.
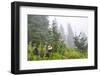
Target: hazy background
{"points": [[78, 24]]}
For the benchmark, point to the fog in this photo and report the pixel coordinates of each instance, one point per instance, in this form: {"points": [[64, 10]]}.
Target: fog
{"points": [[78, 24]]}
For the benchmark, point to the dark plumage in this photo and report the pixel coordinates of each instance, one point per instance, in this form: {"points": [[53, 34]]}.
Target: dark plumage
{"points": [[36, 51]]}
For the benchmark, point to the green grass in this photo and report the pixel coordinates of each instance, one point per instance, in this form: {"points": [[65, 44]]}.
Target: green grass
{"points": [[65, 53]]}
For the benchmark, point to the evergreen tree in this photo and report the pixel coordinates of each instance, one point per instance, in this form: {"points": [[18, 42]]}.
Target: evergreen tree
{"points": [[81, 41], [70, 37], [62, 33], [54, 36], [37, 29]]}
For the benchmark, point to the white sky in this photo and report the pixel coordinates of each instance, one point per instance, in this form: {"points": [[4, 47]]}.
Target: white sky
{"points": [[78, 24]]}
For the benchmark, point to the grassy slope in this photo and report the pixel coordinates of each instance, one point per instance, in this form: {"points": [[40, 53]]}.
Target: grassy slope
{"points": [[68, 53]]}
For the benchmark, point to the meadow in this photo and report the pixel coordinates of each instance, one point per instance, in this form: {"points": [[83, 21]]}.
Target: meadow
{"points": [[65, 53]]}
